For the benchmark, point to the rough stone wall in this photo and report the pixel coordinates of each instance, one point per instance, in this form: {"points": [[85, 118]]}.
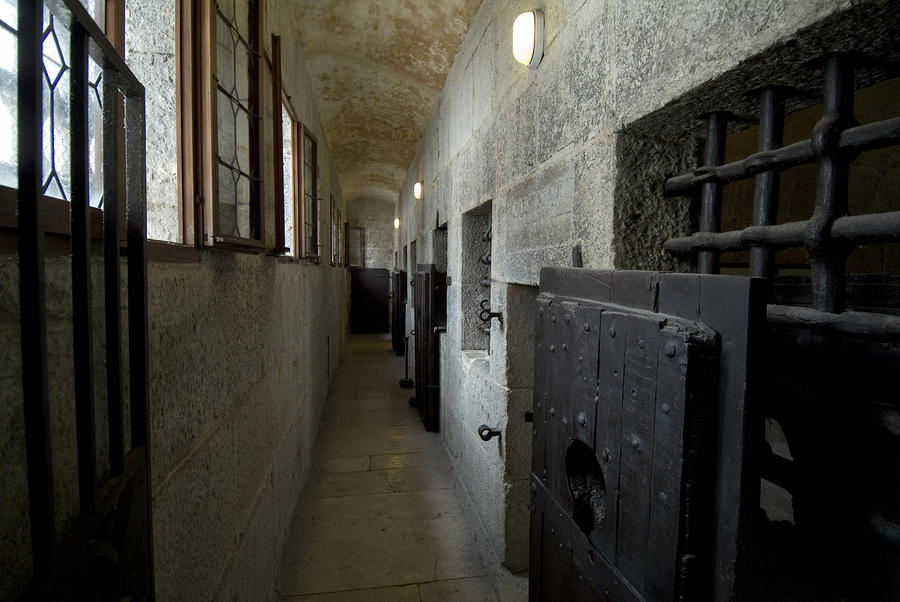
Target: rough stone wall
{"points": [[150, 52], [376, 218], [558, 152], [242, 350]]}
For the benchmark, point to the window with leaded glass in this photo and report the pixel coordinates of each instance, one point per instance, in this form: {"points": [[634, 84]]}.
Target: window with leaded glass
{"points": [[237, 215], [55, 101], [310, 196], [288, 167]]}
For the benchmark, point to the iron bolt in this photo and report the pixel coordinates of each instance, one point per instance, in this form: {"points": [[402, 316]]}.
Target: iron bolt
{"points": [[612, 331], [553, 318], [640, 343], [565, 347], [666, 408], [567, 318], [635, 442], [670, 349], [565, 420], [587, 327], [552, 348], [552, 411], [607, 457], [582, 419]]}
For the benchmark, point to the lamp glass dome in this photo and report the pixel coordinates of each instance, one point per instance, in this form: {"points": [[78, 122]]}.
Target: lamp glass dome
{"points": [[417, 190]]}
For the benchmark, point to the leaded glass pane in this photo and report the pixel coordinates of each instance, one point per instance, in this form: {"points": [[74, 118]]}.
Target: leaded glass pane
{"points": [[233, 65], [309, 193], [8, 100], [287, 167], [56, 177]]}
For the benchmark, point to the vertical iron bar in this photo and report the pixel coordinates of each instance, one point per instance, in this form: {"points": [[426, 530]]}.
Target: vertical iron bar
{"points": [[138, 343], [765, 195], [82, 322], [827, 260], [711, 192], [111, 276], [32, 311]]}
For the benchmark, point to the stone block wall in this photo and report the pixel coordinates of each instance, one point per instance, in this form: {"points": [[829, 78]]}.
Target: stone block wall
{"points": [[242, 350], [568, 153]]}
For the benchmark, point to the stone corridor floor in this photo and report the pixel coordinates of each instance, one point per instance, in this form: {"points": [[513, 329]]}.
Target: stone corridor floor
{"points": [[381, 517]]}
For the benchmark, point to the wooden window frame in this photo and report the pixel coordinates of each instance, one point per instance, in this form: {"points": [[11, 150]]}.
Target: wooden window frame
{"points": [[310, 248], [203, 127], [278, 149], [55, 211], [346, 246], [333, 231]]}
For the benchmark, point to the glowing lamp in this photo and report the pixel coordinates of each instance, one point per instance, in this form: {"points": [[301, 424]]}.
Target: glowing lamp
{"points": [[396, 223], [528, 38], [417, 190]]}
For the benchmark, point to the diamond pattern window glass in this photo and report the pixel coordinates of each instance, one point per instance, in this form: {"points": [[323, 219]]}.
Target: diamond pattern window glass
{"points": [[310, 197], [56, 180], [287, 167], [238, 216]]}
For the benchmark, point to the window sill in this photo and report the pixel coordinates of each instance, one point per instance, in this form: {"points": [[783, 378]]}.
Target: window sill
{"points": [[241, 245], [54, 214], [170, 252]]}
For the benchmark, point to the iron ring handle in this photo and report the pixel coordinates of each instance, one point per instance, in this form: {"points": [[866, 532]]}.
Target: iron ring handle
{"points": [[487, 433], [413, 332], [486, 314], [483, 302]]}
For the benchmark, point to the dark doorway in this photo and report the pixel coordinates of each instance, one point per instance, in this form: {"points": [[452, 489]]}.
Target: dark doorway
{"points": [[369, 295]]}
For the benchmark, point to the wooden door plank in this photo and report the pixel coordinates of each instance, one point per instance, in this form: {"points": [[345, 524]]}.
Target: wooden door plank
{"points": [[735, 308], [636, 443], [609, 424], [666, 476]]}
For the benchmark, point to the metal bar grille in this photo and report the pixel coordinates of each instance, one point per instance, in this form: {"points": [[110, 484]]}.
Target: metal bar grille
{"points": [[32, 309], [82, 319], [114, 520], [828, 235]]}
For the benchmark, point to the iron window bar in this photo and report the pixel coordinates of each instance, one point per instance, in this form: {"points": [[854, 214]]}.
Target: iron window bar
{"points": [[828, 235], [54, 558], [485, 259]]}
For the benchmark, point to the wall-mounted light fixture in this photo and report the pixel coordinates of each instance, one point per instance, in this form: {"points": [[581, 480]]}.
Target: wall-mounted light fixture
{"points": [[396, 223], [528, 38], [417, 190]]}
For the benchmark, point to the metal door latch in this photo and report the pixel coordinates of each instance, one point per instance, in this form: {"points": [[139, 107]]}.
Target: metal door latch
{"points": [[487, 433], [486, 314]]}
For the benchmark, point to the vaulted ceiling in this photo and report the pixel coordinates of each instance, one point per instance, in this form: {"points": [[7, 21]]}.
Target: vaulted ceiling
{"points": [[378, 67]]}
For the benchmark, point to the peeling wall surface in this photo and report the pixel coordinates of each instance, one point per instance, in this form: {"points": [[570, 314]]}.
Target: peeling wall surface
{"points": [[242, 350], [575, 152]]}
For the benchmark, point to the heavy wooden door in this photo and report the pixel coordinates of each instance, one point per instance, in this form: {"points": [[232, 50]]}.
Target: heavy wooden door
{"points": [[369, 300], [398, 311], [640, 416], [430, 303]]}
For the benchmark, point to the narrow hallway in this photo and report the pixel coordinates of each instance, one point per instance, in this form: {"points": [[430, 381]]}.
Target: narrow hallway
{"points": [[380, 517]]}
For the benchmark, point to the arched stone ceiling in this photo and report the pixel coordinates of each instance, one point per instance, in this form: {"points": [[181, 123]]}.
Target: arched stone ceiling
{"points": [[378, 67]]}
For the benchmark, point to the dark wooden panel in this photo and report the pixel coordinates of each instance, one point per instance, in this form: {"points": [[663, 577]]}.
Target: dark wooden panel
{"points": [[667, 473], [636, 447], [609, 425], [369, 294], [631, 518], [430, 303], [398, 312]]}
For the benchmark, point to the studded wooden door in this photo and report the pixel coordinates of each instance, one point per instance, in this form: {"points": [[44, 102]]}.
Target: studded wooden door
{"points": [[640, 413], [430, 304]]}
